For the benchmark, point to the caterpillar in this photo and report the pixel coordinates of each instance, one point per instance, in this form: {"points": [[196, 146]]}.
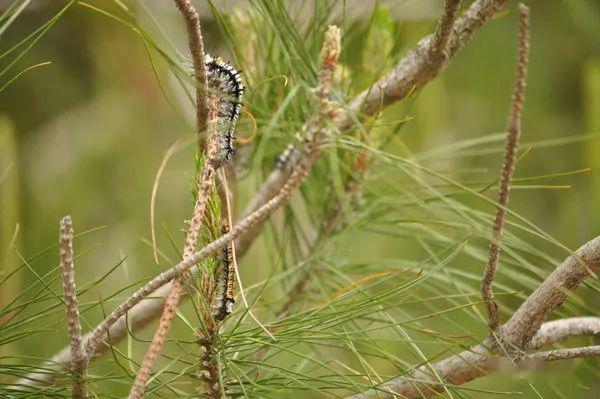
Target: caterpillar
{"points": [[224, 297], [223, 78]]}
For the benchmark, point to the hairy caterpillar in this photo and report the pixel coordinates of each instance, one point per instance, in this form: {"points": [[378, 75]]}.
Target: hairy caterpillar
{"points": [[224, 79], [224, 294]]}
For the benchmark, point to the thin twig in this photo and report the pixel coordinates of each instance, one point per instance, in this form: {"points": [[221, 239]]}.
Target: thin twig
{"points": [[438, 50], [513, 130], [78, 359], [563, 354], [194, 32], [562, 329]]}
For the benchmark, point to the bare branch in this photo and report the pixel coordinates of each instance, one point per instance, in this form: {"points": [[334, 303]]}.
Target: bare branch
{"points": [[437, 50], [562, 329], [517, 333], [78, 359], [194, 31], [513, 131], [413, 72], [564, 354], [526, 321]]}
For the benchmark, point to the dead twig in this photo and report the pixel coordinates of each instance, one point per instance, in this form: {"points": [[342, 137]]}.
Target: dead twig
{"points": [[196, 42], [513, 131], [78, 359]]}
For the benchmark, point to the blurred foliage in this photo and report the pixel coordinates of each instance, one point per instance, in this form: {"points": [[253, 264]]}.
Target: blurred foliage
{"points": [[395, 287]]}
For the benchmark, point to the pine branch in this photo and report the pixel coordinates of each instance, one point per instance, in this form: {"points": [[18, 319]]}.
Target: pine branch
{"points": [[437, 55], [513, 130], [412, 72], [407, 75], [518, 333], [78, 359], [312, 151]]}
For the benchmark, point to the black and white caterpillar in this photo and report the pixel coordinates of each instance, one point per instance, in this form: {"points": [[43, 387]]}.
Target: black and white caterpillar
{"points": [[224, 296], [224, 79]]}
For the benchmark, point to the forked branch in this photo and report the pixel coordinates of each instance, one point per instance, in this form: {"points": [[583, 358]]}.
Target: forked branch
{"points": [[521, 334]]}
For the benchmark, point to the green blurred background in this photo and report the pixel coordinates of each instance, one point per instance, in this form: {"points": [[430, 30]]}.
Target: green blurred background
{"points": [[85, 135]]}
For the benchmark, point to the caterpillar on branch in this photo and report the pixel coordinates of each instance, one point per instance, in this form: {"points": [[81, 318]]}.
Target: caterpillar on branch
{"points": [[224, 297], [224, 79]]}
